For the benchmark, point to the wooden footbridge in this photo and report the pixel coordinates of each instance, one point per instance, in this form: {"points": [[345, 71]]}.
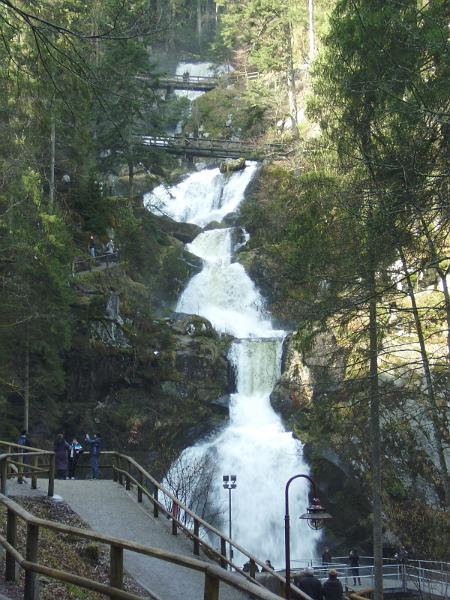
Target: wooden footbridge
{"points": [[212, 148], [192, 83]]}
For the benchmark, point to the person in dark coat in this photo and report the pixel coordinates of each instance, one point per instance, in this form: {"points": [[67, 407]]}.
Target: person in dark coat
{"points": [[61, 448], [332, 588], [23, 440], [94, 452], [353, 561], [326, 557], [310, 584], [75, 451]]}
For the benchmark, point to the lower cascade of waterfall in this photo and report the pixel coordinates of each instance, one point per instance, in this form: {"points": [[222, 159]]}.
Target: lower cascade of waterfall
{"points": [[254, 445]]}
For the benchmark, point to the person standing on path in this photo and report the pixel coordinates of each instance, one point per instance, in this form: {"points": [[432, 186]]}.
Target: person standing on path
{"points": [[75, 451], [94, 451], [332, 588], [310, 584], [61, 448], [353, 560], [23, 440]]}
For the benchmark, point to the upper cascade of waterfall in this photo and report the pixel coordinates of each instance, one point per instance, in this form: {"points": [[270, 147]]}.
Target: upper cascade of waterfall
{"points": [[201, 197]]}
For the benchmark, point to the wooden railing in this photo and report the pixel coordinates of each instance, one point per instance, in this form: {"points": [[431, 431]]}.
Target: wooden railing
{"points": [[23, 461], [211, 147], [88, 263], [213, 575], [127, 472]]}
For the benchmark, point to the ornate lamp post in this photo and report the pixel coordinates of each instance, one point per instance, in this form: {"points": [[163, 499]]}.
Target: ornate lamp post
{"points": [[229, 483], [315, 517]]}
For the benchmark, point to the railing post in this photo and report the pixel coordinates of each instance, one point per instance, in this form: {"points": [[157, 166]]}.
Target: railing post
{"points": [[11, 538], [30, 591], [252, 568], [51, 476], [175, 512], [119, 464], [34, 463], [127, 478], [155, 504], [116, 567], [20, 468], [223, 552], [211, 587], [4, 475], [196, 536], [139, 489], [114, 463]]}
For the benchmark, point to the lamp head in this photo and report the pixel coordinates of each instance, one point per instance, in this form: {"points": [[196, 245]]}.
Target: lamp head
{"points": [[316, 515]]}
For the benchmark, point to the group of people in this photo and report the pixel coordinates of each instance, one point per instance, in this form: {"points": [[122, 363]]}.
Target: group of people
{"points": [[331, 589], [108, 250], [67, 455]]}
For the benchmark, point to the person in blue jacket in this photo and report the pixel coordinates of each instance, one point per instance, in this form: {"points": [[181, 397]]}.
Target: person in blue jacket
{"points": [[94, 444]]}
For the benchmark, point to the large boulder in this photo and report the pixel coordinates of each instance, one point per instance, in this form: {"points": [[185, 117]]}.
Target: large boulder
{"points": [[230, 165]]}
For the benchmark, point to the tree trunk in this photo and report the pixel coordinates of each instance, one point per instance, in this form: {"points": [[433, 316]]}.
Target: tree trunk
{"points": [[312, 44], [429, 381], [375, 433], [26, 386], [199, 20], [290, 80], [442, 276], [51, 196]]}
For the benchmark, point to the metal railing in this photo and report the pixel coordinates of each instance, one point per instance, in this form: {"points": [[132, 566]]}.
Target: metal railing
{"points": [[424, 576]]}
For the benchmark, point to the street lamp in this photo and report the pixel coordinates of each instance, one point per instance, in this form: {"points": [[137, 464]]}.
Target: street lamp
{"points": [[315, 517], [229, 483]]}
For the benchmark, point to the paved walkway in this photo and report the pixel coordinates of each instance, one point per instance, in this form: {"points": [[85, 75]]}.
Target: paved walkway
{"points": [[110, 509]]}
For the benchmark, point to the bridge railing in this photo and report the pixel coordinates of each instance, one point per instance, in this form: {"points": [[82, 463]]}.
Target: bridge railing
{"points": [[209, 144], [213, 575], [17, 461]]}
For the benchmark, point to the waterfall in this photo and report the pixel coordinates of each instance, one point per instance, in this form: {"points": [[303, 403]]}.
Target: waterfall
{"points": [[254, 445]]}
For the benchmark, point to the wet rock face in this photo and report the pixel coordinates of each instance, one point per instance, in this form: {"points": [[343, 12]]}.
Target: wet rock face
{"points": [[159, 390], [184, 232]]}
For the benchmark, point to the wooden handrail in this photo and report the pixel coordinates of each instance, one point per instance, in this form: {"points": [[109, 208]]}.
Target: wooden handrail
{"points": [[125, 477], [26, 461], [196, 519], [213, 575]]}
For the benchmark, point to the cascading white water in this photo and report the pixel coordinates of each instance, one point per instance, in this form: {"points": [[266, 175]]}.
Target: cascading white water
{"points": [[254, 445]]}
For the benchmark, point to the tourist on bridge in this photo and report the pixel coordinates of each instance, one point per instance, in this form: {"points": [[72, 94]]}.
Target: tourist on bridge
{"points": [[353, 561], [326, 557], [310, 584], [75, 452], [332, 588], [94, 452], [61, 448]]}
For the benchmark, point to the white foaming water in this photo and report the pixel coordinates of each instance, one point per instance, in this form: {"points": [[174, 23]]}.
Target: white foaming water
{"points": [[202, 197], [254, 445]]}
